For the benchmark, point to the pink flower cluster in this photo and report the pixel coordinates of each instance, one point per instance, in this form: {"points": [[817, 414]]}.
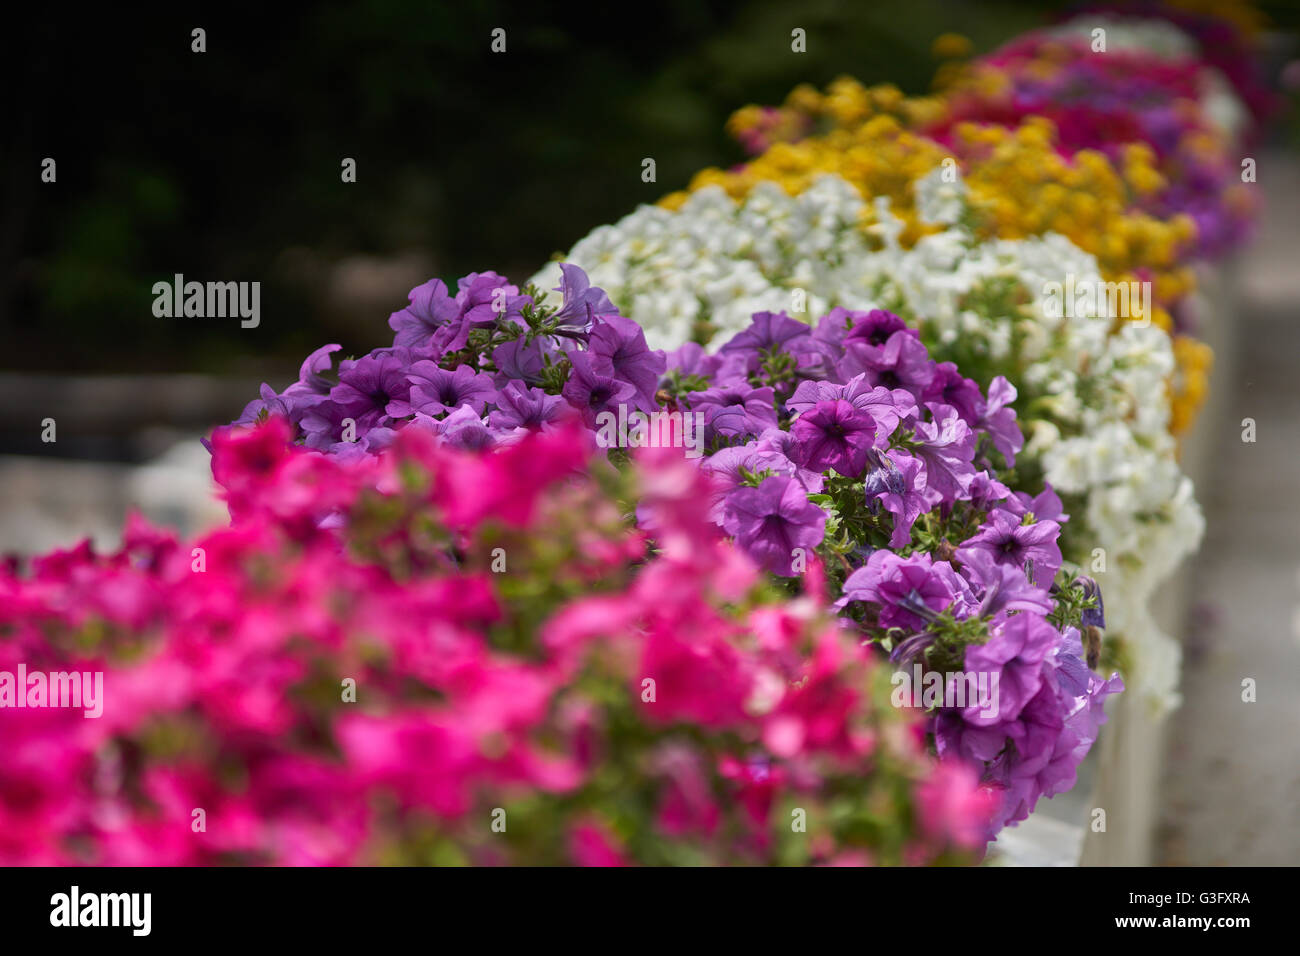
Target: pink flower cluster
{"points": [[440, 656], [1109, 101]]}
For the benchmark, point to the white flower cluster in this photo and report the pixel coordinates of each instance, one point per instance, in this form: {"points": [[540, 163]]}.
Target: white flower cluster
{"points": [[710, 265], [1096, 406]]}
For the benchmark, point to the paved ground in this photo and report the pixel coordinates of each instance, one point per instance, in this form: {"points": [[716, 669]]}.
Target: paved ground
{"points": [[1231, 789]]}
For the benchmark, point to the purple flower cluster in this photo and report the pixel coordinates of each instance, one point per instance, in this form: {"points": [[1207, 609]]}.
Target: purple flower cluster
{"points": [[857, 396], [846, 439], [840, 446], [1047, 704], [477, 369]]}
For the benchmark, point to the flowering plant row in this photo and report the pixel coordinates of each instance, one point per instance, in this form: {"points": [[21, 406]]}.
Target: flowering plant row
{"points": [[844, 445], [1123, 133], [463, 614], [1091, 401], [432, 655], [1037, 219]]}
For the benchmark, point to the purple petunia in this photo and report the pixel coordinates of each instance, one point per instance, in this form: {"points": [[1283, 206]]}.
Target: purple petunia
{"points": [[592, 391], [368, 386], [1016, 649], [1009, 542], [728, 467], [431, 307], [949, 387], [518, 360], [581, 302], [999, 586], [998, 419], [736, 411], [1045, 506], [887, 407], [435, 390], [835, 435], [312, 386], [521, 407], [767, 330], [945, 446], [774, 522], [619, 344], [269, 404], [902, 362], [485, 297], [897, 482], [909, 591]]}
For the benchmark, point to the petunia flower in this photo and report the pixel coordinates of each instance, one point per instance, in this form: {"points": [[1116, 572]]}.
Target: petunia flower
{"points": [[592, 391], [834, 434], [736, 411], [773, 520], [1009, 542], [619, 344], [430, 308], [435, 390]]}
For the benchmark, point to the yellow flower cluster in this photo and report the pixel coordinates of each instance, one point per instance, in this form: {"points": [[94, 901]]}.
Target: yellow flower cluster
{"points": [[1020, 186], [1191, 381], [1240, 13]]}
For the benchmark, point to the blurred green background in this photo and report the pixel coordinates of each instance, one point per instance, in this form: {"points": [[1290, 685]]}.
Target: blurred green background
{"points": [[225, 165]]}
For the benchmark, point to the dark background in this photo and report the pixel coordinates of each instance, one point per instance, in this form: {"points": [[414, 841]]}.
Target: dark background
{"points": [[225, 165]]}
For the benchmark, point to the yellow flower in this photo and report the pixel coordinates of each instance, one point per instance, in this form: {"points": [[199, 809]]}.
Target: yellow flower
{"points": [[1241, 13], [805, 98], [1191, 382], [950, 46]]}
